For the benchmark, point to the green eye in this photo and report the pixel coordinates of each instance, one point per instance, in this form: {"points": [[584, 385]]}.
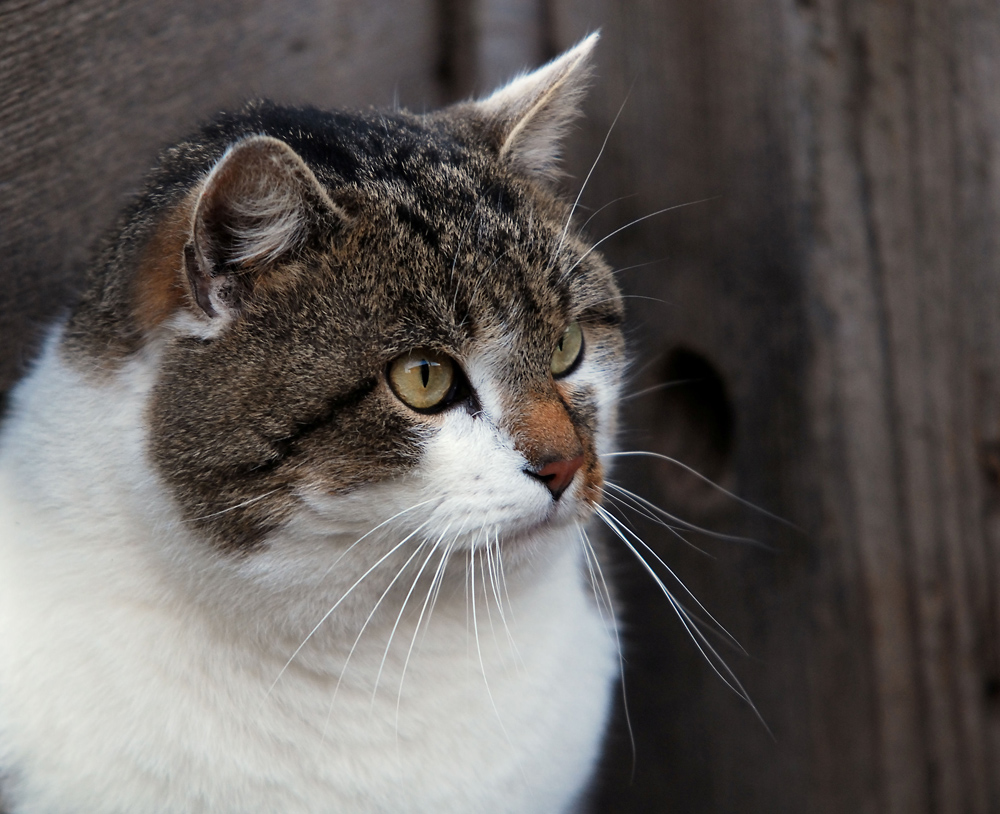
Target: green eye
{"points": [[422, 379], [568, 350]]}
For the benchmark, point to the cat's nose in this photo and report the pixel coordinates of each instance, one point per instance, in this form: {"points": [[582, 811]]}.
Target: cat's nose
{"points": [[557, 475]]}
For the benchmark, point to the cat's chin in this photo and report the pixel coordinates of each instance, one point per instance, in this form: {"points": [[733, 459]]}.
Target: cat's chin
{"points": [[557, 521]]}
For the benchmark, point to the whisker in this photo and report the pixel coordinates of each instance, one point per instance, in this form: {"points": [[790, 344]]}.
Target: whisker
{"points": [[630, 501], [479, 649], [611, 519], [633, 223], [371, 531], [639, 266], [583, 186], [594, 564], [632, 296], [709, 481], [657, 388], [503, 580], [623, 503], [635, 373], [600, 209], [718, 535], [402, 608], [242, 505], [494, 566], [336, 604], [601, 591], [437, 590], [486, 599], [435, 581], [710, 654], [364, 626]]}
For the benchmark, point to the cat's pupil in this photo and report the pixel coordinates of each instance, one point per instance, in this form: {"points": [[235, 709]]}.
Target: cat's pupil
{"points": [[425, 372]]}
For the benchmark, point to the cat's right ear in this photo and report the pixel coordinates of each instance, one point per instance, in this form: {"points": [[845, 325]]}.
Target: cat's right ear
{"points": [[257, 209], [526, 119]]}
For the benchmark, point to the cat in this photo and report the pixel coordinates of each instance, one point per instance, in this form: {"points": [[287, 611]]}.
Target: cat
{"points": [[293, 504]]}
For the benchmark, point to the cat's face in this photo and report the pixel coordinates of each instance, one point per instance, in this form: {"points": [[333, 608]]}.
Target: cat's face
{"points": [[364, 316]]}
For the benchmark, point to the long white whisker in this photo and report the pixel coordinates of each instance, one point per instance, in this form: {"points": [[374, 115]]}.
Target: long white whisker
{"points": [[678, 608], [629, 503], [633, 223], [440, 582], [248, 502], [503, 581], [601, 592], [438, 576], [591, 556], [711, 655], [364, 626], [617, 525], [479, 649], [486, 599], [495, 582], [709, 481], [402, 608], [600, 209], [620, 269], [371, 531], [718, 535], [336, 605], [656, 388], [579, 195]]}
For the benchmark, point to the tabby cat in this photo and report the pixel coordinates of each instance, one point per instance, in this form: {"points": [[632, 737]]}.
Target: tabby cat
{"points": [[293, 505]]}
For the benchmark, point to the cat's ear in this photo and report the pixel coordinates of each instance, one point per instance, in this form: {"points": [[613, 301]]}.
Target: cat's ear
{"points": [[258, 207], [528, 117]]}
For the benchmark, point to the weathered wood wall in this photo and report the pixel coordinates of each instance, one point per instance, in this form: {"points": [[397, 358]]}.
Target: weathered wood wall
{"points": [[833, 310]]}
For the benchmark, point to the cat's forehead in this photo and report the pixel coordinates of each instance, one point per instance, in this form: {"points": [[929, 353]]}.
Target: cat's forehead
{"points": [[445, 244]]}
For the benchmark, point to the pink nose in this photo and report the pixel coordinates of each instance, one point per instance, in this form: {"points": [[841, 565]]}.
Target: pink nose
{"points": [[557, 475]]}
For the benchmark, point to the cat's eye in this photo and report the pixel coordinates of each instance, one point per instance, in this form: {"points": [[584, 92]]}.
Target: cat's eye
{"points": [[568, 350], [424, 379]]}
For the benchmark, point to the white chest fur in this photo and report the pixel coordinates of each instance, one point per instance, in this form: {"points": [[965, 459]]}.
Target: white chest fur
{"points": [[122, 691]]}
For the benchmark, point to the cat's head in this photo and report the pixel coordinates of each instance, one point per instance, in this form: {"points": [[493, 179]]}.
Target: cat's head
{"points": [[361, 315]]}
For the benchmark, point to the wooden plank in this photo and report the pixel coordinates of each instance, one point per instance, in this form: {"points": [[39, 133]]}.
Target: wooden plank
{"points": [[509, 38]]}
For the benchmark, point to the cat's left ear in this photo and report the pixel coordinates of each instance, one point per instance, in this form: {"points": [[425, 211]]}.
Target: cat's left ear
{"points": [[259, 206], [528, 118]]}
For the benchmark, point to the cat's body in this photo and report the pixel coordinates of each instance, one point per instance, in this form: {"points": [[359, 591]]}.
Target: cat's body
{"points": [[250, 558]]}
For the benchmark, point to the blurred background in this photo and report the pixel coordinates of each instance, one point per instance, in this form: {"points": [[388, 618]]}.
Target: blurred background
{"points": [[824, 310]]}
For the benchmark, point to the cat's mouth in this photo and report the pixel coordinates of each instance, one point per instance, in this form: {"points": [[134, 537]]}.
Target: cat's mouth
{"points": [[573, 508]]}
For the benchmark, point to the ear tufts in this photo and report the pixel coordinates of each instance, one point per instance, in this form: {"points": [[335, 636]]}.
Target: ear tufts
{"points": [[528, 117]]}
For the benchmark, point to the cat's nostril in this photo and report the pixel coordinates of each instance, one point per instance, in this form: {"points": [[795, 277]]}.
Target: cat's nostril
{"points": [[557, 475]]}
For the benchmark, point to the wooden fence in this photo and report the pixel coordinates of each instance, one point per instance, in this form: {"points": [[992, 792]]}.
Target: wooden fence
{"points": [[832, 307]]}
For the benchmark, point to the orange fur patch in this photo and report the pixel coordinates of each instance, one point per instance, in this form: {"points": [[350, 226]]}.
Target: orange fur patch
{"points": [[160, 287], [543, 431]]}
